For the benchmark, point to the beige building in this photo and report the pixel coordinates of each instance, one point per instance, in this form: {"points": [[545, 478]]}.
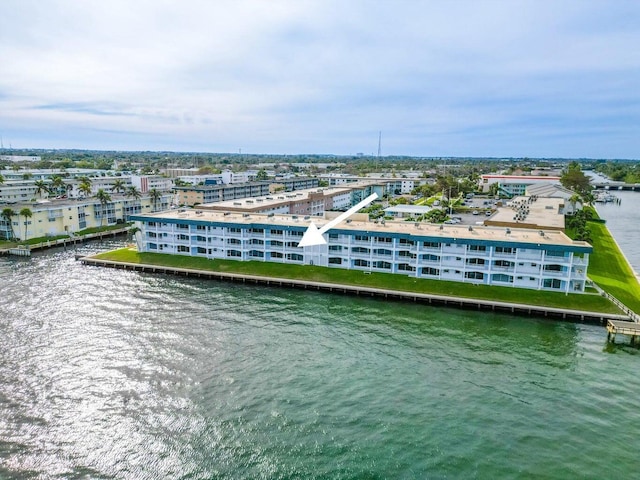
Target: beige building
{"points": [[66, 217]]}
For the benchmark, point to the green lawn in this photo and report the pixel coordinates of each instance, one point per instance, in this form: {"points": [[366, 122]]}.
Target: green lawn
{"points": [[106, 228], [610, 270], [585, 302]]}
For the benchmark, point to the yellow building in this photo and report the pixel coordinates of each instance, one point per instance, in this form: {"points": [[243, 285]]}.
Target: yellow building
{"points": [[66, 217]]}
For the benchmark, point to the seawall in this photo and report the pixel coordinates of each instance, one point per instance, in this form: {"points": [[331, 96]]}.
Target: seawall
{"points": [[597, 318]]}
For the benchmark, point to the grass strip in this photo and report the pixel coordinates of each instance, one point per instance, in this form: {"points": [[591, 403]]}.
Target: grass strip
{"points": [[583, 302], [609, 268]]}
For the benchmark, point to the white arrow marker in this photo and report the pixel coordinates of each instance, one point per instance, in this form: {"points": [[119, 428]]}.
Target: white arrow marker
{"points": [[313, 235]]}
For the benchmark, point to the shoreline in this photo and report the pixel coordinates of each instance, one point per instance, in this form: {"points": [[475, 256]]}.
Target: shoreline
{"points": [[576, 316]]}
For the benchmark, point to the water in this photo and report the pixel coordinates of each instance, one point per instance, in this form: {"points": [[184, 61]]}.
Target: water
{"points": [[623, 221], [113, 374]]}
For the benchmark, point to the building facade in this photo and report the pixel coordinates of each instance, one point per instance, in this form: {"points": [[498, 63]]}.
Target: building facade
{"points": [[476, 255], [66, 217], [196, 195], [513, 185]]}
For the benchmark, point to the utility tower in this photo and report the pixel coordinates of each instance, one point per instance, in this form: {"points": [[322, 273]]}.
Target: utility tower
{"points": [[379, 143]]}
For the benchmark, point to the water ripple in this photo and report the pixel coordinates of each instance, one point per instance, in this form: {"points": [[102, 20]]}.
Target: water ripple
{"points": [[115, 374]]}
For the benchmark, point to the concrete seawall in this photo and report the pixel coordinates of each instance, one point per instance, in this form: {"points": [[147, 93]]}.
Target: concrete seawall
{"points": [[457, 302]]}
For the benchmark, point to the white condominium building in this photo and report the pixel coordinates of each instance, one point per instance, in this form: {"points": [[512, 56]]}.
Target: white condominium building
{"points": [[542, 260]]}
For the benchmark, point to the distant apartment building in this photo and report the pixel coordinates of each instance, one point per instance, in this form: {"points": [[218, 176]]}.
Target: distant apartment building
{"points": [[304, 202], [513, 185], [145, 183], [200, 194], [96, 183], [394, 186], [20, 158], [16, 191], [65, 217]]}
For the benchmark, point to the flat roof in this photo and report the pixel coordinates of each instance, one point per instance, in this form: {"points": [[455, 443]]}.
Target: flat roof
{"points": [[420, 209], [478, 233], [274, 199], [542, 213]]}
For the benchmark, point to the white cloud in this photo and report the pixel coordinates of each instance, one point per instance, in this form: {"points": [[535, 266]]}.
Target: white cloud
{"points": [[324, 76]]}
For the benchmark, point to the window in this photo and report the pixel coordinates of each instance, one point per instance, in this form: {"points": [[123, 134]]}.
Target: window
{"points": [[202, 250], [292, 244], [430, 271], [474, 275], [234, 230], [275, 255], [506, 250], [405, 267], [234, 253], [431, 245], [276, 232], [335, 261], [431, 258], [182, 236], [382, 264], [475, 261], [234, 241], [360, 250], [553, 268], [551, 283], [503, 263], [200, 227], [477, 248], [404, 241], [554, 253], [257, 241], [361, 263], [501, 277], [361, 238], [383, 251], [276, 243], [256, 253], [335, 248], [257, 230], [182, 226], [183, 248], [295, 257], [384, 239]]}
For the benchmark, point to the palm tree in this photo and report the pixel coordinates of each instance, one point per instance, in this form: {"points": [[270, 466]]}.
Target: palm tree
{"points": [[41, 187], [133, 191], [85, 188], [27, 214], [7, 213], [57, 184], [573, 200], [118, 185], [155, 195], [1, 179], [104, 198]]}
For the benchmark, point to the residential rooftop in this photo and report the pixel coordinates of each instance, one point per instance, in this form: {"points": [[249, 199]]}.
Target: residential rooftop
{"points": [[476, 232]]}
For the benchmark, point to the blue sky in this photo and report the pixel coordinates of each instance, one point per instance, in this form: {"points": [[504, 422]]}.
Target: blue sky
{"points": [[439, 78]]}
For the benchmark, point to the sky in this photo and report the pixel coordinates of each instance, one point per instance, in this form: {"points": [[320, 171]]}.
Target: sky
{"points": [[541, 78]]}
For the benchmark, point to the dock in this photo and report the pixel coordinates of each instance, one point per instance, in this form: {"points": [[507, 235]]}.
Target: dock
{"points": [[631, 329]]}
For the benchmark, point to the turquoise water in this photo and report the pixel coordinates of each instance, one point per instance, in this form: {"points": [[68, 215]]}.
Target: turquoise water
{"points": [[113, 374]]}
